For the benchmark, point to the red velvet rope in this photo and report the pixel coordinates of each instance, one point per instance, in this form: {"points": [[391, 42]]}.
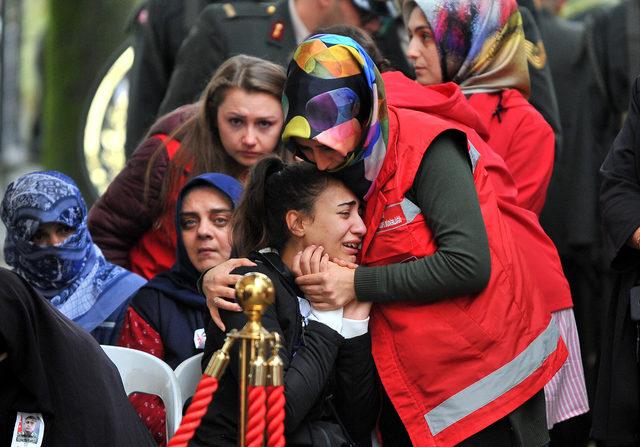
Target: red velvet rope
{"points": [[255, 416], [199, 404], [275, 416]]}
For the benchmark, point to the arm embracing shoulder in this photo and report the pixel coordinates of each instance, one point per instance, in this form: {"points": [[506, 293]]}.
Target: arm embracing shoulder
{"points": [[306, 372], [445, 193]]}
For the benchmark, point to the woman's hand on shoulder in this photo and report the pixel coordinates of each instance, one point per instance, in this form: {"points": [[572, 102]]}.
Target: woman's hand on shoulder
{"points": [[326, 284], [218, 286]]}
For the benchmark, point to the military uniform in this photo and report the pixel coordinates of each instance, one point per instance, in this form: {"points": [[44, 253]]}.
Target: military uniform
{"points": [[263, 30], [160, 27], [223, 30]]}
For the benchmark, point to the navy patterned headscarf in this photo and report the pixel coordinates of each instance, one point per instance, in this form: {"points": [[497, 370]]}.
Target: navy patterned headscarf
{"points": [[73, 275]]}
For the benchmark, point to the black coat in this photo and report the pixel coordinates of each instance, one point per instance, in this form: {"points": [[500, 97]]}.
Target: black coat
{"points": [[57, 369], [616, 412], [571, 215], [323, 371]]}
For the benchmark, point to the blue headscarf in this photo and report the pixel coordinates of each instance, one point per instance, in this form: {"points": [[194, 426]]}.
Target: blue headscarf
{"points": [[73, 275], [179, 282]]}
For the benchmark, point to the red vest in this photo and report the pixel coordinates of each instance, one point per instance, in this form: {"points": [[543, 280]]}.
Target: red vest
{"points": [[447, 102], [155, 251], [453, 367]]}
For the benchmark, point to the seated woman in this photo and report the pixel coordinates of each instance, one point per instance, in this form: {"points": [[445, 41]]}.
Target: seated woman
{"points": [[166, 317], [49, 245], [54, 373], [330, 386]]}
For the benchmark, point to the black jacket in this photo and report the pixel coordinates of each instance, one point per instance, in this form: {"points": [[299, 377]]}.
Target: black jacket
{"points": [[616, 410], [329, 380], [57, 369]]}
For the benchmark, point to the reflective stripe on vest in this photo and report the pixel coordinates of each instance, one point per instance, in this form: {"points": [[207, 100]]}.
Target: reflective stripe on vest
{"points": [[496, 384], [474, 156], [410, 209]]}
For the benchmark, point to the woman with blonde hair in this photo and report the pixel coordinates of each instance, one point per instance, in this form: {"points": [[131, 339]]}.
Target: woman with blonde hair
{"points": [[236, 122]]}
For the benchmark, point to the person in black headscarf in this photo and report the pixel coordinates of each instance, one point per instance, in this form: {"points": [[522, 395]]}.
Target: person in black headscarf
{"points": [[52, 369], [167, 317], [616, 409]]}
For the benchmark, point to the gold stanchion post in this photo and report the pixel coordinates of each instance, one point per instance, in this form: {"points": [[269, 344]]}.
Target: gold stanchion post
{"points": [[254, 292]]}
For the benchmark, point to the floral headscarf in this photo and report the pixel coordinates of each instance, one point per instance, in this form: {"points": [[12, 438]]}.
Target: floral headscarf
{"points": [[480, 42], [334, 95], [74, 274]]}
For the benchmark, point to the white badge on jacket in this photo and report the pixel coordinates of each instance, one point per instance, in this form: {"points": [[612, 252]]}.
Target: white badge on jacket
{"points": [[199, 338], [28, 431]]}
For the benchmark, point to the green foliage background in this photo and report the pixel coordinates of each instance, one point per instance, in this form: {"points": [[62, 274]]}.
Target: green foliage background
{"points": [[80, 37]]}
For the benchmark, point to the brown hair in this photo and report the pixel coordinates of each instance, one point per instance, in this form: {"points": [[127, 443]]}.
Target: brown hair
{"points": [[200, 143]]}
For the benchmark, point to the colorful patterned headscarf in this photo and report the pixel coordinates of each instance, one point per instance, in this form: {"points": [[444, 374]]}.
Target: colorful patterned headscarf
{"points": [[73, 275], [480, 42], [334, 95]]}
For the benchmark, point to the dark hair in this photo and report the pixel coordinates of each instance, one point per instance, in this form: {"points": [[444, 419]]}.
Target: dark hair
{"points": [[273, 189], [200, 143], [364, 40]]}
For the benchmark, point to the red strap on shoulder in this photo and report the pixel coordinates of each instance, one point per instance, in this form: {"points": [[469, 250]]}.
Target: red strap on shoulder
{"points": [[171, 144]]}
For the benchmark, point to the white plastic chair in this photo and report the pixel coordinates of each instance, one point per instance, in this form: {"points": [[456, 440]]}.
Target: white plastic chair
{"points": [[189, 373], [144, 373]]}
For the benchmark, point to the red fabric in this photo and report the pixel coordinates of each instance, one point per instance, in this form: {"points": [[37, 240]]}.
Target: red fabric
{"points": [[138, 334], [522, 137], [155, 251], [124, 213], [447, 102], [203, 396], [462, 340]]}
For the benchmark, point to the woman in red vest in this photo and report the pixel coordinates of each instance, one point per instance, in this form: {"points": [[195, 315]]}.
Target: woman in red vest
{"points": [[462, 350], [480, 46], [236, 122]]}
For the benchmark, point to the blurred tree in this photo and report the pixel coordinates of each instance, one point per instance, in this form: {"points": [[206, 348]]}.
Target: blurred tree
{"points": [[81, 35]]}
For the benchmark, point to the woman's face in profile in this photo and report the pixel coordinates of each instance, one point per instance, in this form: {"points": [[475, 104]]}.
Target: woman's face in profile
{"points": [[422, 51], [204, 223], [249, 124], [51, 233], [336, 224]]}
